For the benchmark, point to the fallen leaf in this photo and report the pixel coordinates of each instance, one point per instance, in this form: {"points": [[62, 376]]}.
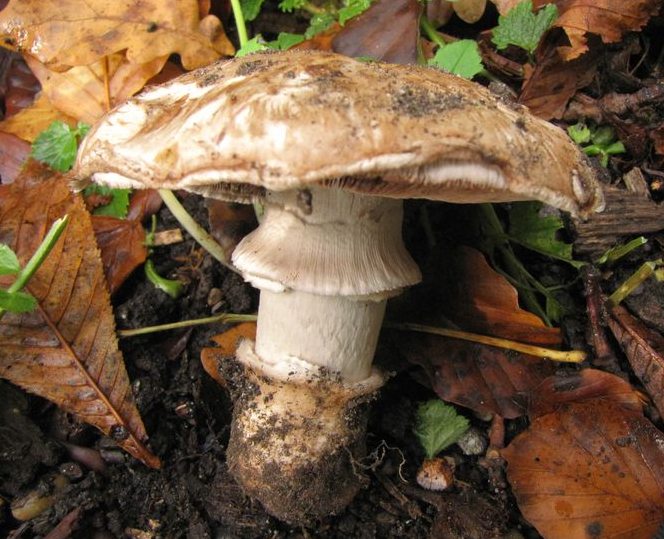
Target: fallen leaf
{"points": [[610, 19], [479, 299], [550, 85], [143, 203], [226, 345], [31, 121], [589, 470], [482, 378], [13, 152], [22, 86], [387, 31], [88, 92], [66, 350], [644, 349], [66, 33], [122, 246], [229, 223], [587, 384]]}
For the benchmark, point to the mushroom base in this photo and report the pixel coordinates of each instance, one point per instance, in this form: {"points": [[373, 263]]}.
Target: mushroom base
{"points": [[296, 443]]}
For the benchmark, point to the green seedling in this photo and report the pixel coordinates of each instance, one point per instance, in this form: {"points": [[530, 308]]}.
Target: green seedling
{"points": [[596, 140], [617, 252], [523, 28], [438, 426], [172, 287], [654, 268], [13, 299]]}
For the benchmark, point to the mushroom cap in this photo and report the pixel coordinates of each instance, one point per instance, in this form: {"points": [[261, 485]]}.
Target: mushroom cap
{"points": [[294, 119]]}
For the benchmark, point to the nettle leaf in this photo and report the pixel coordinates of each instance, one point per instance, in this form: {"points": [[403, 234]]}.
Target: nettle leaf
{"points": [[57, 145], [9, 264], [251, 8], [437, 426], [522, 27], [352, 8], [16, 302], [118, 205], [461, 58]]}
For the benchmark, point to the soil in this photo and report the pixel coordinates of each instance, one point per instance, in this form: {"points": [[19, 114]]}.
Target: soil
{"points": [[187, 415]]}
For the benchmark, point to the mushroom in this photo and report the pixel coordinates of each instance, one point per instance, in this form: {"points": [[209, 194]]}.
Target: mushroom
{"points": [[330, 145]]}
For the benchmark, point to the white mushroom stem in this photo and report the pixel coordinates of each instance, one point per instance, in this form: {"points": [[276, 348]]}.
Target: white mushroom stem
{"points": [[325, 260]]}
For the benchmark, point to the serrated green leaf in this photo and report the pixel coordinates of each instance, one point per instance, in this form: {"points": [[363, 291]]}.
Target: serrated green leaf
{"points": [[285, 41], [319, 23], [290, 5], [461, 58], [522, 27], [579, 133], [255, 44], [17, 302], [251, 8], [57, 145], [352, 8], [118, 205], [9, 264], [437, 426], [538, 232]]}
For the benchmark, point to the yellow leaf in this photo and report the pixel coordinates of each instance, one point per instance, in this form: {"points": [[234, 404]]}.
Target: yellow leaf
{"points": [[32, 120]]}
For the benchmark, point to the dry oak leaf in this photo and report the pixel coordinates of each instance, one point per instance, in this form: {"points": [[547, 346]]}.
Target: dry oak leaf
{"points": [[66, 349], [67, 33], [610, 19], [591, 470], [88, 92], [644, 349]]}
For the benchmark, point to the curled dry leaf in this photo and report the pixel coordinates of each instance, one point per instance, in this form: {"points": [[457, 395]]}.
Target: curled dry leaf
{"points": [[610, 19], [589, 470], [644, 349], [67, 33], [66, 350], [88, 92]]}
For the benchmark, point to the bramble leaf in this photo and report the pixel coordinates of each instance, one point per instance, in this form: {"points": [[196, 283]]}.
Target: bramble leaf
{"points": [[437, 426], [461, 58], [522, 27]]}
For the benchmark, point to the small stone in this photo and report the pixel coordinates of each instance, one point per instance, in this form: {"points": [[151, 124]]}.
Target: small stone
{"points": [[473, 442]]}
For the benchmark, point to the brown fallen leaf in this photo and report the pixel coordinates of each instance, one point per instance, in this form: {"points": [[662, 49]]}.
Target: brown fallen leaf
{"points": [[387, 31], [13, 152], [21, 85], [66, 350], [66, 33], [229, 223], [29, 122], [610, 19], [87, 92], [589, 470], [122, 246], [644, 349], [587, 384], [226, 345]]}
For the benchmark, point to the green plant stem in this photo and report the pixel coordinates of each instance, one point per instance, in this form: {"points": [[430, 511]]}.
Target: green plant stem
{"points": [[312, 9], [431, 32], [224, 318], [38, 257], [195, 230], [571, 356], [633, 281], [239, 23]]}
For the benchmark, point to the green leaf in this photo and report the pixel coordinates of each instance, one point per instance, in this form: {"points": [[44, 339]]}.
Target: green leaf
{"points": [[319, 23], [614, 148], [579, 133], [602, 135], [57, 145], [438, 426], [255, 44], [290, 5], [352, 8], [461, 58], [538, 232], [523, 28], [118, 205], [16, 302], [9, 264], [251, 8], [285, 41]]}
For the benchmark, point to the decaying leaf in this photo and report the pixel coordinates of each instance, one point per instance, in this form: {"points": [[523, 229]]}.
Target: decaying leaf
{"points": [[587, 384], [610, 19], [644, 349], [13, 151], [67, 33], [589, 470], [87, 92], [66, 350], [31, 121]]}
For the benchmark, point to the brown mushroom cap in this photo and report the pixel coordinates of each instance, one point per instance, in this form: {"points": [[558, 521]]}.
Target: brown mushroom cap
{"points": [[294, 119]]}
